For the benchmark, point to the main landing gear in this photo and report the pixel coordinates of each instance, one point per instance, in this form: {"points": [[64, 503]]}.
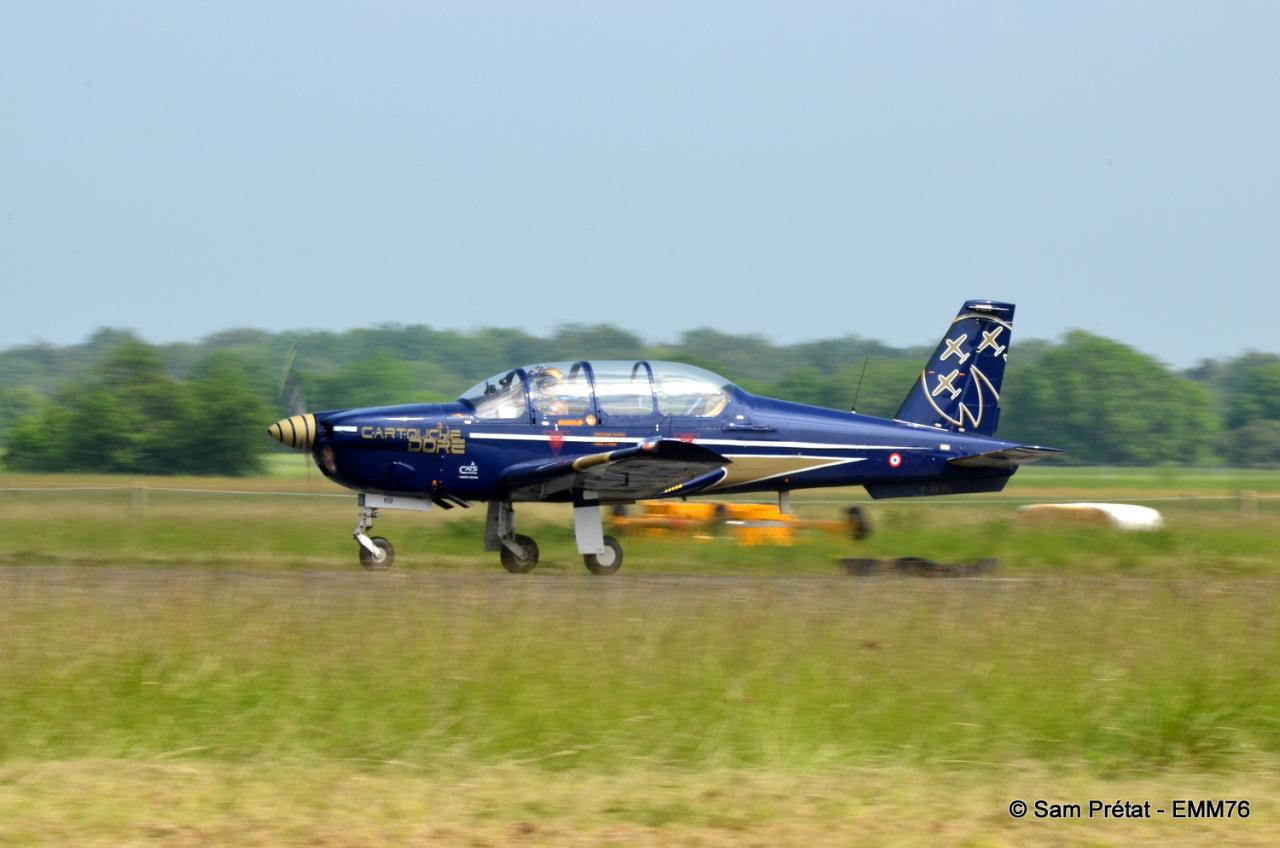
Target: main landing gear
{"points": [[519, 554], [607, 561]]}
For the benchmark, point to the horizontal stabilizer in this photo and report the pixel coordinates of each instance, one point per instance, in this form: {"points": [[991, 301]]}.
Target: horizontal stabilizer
{"points": [[1006, 457], [954, 483]]}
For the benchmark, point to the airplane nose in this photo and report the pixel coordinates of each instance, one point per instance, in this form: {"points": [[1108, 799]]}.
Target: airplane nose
{"points": [[296, 431]]}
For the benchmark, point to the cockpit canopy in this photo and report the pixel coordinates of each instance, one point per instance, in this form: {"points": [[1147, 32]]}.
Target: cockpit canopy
{"points": [[602, 390]]}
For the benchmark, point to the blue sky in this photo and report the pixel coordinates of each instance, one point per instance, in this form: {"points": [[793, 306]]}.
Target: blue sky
{"points": [[795, 170]]}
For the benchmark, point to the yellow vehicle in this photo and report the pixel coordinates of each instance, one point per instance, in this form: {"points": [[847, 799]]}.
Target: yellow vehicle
{"points": [[751, 524]]}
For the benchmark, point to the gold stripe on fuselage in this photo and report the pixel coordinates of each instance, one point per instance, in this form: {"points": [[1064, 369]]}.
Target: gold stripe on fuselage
{"points": [[752, 469]]}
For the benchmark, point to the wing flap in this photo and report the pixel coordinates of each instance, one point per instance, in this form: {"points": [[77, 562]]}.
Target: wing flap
{"points": [[631, 473]]}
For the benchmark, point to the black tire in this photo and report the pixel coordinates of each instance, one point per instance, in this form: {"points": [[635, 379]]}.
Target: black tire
{"points": [[608, 562], [860, 567], [523, 563], [859, 528], [916, 565], [719, 520], [369, 561]]}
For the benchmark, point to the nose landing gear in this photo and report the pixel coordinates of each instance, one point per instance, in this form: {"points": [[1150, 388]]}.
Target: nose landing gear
{"points": [[376, 553]]}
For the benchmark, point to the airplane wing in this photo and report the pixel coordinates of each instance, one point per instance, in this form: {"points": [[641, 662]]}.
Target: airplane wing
{"points": [[654, 468], [1006, 457]]}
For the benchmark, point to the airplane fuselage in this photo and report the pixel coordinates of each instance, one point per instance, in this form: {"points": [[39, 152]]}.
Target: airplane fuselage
{"points": [[593, 433], [426, 449]]}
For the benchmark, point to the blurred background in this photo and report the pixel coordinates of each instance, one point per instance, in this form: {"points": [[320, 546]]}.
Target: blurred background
{"points": [[119, 404]]}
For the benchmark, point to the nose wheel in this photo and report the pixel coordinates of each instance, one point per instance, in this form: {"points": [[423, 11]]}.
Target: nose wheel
{"points": [[382, 558], [376, 553]]}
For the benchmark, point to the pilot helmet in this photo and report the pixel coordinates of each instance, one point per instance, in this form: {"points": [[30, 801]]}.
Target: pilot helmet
{"points": [[547, 378]]}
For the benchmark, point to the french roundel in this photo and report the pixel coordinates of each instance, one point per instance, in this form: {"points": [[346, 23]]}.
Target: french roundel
{"points": [[895, 460]]}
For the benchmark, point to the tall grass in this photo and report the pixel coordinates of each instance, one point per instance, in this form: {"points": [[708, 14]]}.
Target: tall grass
{"points": [[615, 674]]}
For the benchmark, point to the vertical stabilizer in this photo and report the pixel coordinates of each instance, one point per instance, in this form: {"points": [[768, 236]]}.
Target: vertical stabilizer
{"points": [[959, 388]]}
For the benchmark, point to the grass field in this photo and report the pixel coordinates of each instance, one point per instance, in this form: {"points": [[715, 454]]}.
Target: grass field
{"points": [[195, 668], [325, 708], [301, 521]]}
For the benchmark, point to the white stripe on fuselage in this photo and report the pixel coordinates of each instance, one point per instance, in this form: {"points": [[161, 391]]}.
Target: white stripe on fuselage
{"points": [[748, 443]]}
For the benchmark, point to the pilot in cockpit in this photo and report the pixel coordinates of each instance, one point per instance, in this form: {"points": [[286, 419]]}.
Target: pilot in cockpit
{"points": [[548, 384]]}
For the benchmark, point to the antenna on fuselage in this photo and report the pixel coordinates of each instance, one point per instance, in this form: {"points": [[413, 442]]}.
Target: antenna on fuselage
{"points": [[858, 391]]}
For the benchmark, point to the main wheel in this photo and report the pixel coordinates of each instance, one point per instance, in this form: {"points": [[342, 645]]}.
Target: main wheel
{"points": [[607, 562], [527, 558], [859, 528], [386, 551]]}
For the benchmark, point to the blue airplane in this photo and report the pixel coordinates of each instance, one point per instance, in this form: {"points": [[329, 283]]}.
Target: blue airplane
{"points": [[593, 433]]}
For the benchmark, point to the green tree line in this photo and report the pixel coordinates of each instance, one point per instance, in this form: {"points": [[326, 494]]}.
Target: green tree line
{"points": [[117, 404], [126, 414]]}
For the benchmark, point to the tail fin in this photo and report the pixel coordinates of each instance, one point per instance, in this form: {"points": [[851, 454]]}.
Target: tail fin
{"points": [[960, 387]]}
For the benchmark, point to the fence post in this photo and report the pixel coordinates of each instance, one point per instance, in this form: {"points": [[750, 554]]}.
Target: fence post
{"points": [[138, 500]]}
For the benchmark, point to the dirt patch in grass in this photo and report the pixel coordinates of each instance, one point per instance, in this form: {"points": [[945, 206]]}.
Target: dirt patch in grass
{"points": [[336, 805]]}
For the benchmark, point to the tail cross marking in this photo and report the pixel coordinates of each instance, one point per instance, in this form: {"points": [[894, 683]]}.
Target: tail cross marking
{"points": [[989, 340], [953, 346], [945, 384]]}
